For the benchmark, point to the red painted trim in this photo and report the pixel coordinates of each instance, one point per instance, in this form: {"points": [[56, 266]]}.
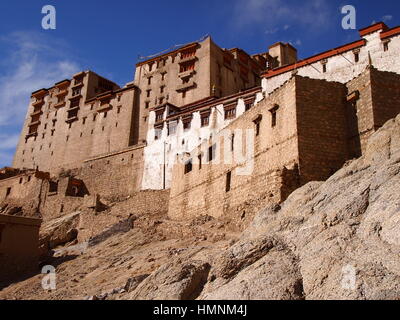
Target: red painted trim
{"points": [[390, 33], [375, 27], [316, 58]]}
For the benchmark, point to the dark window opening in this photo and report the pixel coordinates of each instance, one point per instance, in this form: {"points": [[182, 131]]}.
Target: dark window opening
{"points": [[200, 157], [232, 142], [386, 46], [188, 166], [228, 181], [205, 121], [8, 192], [356, 57], [230, 113], [324, 68], [274, 112], [211, 153], [257, 123], [53, 186]]}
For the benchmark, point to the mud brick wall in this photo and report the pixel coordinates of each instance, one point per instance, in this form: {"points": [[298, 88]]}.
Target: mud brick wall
{"points": [[117, 175], [19, 239], [385, 88], [203, 191], [322, 125]]}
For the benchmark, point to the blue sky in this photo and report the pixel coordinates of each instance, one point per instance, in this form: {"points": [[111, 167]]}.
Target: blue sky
{"points": [[108, 36]]}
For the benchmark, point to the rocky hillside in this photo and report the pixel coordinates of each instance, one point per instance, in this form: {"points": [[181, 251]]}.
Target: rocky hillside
{"points": [[338, 239]]}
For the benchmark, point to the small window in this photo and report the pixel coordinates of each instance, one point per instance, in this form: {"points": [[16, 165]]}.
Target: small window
{"points": [[119, 110], [324, 68], [76, 92], [159, 117], [257, 123], [21, 180], [211, 152], [356, 57], [232, 142], [274, 112], [386, 46], [205, 121], [171, 129], [149, 80], [188, 166], [8, 192], [105, 114], [53, 187], [230, 113], [162, 89], [157, 135], [148, 93], [94, 117], [228, 181], [147, 104], [200, 157], [84, 120]]}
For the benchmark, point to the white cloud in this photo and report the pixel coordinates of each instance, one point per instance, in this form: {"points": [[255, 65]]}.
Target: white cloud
{"points": [[387, 18], [32, 62], [315, 14]]}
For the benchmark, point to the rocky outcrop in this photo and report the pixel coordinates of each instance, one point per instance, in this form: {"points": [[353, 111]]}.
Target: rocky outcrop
{"points": [[178, 280], [59, 232], [337, 239]]}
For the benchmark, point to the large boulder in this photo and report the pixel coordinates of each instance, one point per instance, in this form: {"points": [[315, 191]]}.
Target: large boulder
{"points": [[178, 280], [59, 231]]}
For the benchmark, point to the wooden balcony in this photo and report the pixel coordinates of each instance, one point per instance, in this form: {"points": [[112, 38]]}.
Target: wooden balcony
{"points": [[186, 86]]}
